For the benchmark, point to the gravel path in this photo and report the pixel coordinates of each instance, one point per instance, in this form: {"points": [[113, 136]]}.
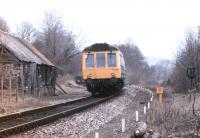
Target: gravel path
{"points": [[113, 129], [104, 118]]}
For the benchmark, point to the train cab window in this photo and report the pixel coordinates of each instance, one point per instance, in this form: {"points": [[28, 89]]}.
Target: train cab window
{"points": [[100, 60], [112, 60], [90, 60]]}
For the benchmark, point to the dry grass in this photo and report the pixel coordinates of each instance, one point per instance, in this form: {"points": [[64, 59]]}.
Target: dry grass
{"points": [[22, 104], [28, 102], [68, 84], [174, 116]]}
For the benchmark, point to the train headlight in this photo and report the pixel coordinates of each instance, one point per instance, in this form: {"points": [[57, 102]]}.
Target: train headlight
{"points": [[112, 74], [89, 76]]}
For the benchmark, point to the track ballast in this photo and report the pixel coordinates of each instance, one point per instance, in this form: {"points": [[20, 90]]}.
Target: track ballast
{"points": [[23, 121]]}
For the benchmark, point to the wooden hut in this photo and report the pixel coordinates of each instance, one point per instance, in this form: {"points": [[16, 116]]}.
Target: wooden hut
{"points": [[24, 69]]}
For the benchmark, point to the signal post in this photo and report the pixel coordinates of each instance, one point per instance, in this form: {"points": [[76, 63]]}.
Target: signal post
{"points": [[159, 91]]}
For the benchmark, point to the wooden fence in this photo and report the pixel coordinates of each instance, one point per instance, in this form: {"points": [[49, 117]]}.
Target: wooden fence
{"points": [[10, 82]]}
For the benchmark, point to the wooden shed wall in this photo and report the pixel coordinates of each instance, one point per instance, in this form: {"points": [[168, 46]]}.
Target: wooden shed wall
{"points": [[7, 57], [39, 79], [33, 79]]}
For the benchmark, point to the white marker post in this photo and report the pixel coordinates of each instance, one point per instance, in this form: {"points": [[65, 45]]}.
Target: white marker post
{"points": [[123, 126], [145, 110], [136, 116], [96, 135], [148, 105], [152, 98]]}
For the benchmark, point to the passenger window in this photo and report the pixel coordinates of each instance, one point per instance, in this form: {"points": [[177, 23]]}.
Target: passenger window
{"points": [[90, 60], [112, 60], [100, 60], [122, 63]]}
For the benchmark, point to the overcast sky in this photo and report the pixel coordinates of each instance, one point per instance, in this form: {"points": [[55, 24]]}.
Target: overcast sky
{"points": [[157, 27]]}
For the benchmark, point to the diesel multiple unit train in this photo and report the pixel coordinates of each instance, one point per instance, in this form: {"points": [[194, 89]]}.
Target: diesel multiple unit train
{"points": [[103, 68]]}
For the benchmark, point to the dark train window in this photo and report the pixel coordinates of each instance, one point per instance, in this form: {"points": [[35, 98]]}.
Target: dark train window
{"points": [[100, 60], [112, 60], [90, 60]]}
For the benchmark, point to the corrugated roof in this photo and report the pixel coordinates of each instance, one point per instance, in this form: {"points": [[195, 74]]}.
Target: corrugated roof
{"points": [[22, 49], [38, 53]]}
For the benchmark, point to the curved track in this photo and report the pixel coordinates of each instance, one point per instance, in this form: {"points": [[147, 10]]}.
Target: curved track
{"points": [[23, 121]]}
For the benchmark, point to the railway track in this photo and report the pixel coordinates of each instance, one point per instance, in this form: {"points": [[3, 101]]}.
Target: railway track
{"points": [[23, 121]]}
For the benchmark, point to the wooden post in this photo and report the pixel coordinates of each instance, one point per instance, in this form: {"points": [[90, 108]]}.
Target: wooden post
{"points": [[10, 88], [54, 81], [160, 98], [36, 83], [17, 88], [2, 89], [41, 90], [40, 86], [159, 91], [22, 79]]}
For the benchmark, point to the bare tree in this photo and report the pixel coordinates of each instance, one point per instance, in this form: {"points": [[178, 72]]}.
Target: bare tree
{"points": [[187, 57], [56, 42], [187, 69], [162, 71], [137, 69], [3, 25], [27, 31]]}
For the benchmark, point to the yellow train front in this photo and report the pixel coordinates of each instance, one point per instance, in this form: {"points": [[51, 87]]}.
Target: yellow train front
{"points": [[103, 68]]}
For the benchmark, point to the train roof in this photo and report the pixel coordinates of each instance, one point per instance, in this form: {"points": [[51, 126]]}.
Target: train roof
{"points": [[100, 47]]}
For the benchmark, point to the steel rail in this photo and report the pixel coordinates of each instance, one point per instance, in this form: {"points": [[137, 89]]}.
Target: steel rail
{"points": [[23, 121]]}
